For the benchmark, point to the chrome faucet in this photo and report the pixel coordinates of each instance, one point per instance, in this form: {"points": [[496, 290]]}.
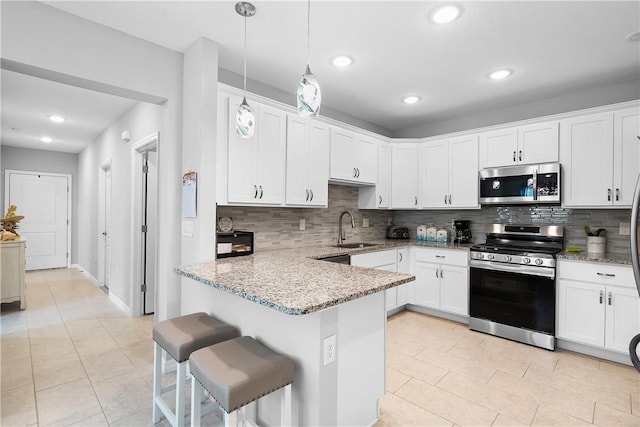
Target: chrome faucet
{"points": [[341, 235]]}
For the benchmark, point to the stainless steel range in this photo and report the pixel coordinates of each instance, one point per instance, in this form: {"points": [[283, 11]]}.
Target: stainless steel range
{"points": [[512, 283]]}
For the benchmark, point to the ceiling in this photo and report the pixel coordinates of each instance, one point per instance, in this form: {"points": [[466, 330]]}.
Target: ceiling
{"points": [[553, 47], [27, 103]]}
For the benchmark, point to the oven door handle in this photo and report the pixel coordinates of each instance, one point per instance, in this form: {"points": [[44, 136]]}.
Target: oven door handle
{"points": [[519, 269]]}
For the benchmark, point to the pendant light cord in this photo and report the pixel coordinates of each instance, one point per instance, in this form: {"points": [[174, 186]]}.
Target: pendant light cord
{"points": [[245, 54], [308, 28]]}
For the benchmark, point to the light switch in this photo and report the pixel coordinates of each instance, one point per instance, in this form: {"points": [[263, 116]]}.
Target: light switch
{"points": [[303, 224], [365, 222]]}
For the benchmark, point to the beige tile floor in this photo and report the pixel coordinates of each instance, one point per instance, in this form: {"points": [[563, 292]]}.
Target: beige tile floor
{"points": [[73, 358]]}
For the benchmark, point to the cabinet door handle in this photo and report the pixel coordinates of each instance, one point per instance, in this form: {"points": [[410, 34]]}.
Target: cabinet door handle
{"points": [[520, 155], [416, 200], [307, 198], [609, 298], [261, 192], [400, 256], [514, 156], [601, 296], [617, 194], [440, 256], [311, 199], [255, 191], [379, 200], [354, 172], [449, 198], [608, 194], [358, 169], [441, 273], [436, 273], [445, 199]]}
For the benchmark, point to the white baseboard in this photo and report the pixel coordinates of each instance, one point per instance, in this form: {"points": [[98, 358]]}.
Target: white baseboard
{"points": [[121, 305], [86, 273]]}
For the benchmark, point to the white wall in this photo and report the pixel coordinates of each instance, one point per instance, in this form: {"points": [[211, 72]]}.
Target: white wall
{"points": [[16, 158], [142, 120], [90, 55]]}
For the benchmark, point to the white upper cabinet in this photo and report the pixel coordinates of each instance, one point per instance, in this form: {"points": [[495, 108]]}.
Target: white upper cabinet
{"points": [[255, 173], [404, 176], [449, 173], [587, 159], [529, 144], [379, 196], [626, 155], [307, 162], [354, 157]]}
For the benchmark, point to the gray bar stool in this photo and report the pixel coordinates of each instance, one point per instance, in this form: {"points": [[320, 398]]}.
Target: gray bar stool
{"points": [[237, 372], [180, 337]]}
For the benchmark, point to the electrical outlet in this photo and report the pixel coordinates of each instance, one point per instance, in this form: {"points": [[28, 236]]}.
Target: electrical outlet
{"points": [[303, 224], [625, 228], [365, 222], [389, 221], [329, 350]]}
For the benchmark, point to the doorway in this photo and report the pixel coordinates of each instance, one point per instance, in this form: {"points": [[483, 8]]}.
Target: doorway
{"points": [[104, 226], [145, 193], [44, 199]]}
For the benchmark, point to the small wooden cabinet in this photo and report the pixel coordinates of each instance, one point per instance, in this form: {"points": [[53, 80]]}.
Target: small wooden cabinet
{"points": [[12, 268]]}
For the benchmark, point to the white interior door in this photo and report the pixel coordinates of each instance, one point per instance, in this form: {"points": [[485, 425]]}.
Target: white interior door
{"points": [[150, 236], [43, 200], [104, 226]]}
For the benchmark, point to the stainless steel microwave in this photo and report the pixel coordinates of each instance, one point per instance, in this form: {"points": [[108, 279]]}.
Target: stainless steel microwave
{"points": [[529, 184]]}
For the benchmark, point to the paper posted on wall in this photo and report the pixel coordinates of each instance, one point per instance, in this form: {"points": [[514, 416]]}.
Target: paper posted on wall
{"points": [[189, 187]]}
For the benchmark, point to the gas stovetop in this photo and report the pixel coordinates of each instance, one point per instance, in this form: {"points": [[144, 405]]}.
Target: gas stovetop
{"points": [[534, 246]]}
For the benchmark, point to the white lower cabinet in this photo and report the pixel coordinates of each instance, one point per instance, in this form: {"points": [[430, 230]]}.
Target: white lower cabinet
{"points": [[598, 305], [442, 280], [396, 260]]}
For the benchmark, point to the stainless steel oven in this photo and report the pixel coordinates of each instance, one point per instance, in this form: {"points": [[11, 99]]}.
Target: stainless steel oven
{"points": [[512, 283]]}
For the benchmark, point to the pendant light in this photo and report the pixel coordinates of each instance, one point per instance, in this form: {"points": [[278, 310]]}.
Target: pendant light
{"points": [[245, 121], [309, 96]]}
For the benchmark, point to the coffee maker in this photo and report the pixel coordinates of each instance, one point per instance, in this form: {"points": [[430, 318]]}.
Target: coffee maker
{"points": [[462, 231]]}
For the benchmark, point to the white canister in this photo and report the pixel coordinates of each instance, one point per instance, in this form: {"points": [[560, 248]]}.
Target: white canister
{"points": [[431, 234], [442, 236], [596, 244], [421, 234]]}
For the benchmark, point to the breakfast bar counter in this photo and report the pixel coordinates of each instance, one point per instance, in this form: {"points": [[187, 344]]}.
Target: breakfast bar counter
{"points": [[329, 318]]}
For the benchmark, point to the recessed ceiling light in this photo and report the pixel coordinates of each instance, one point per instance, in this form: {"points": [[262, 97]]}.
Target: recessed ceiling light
{"points": [[57, 119], [411, 99], [46, 139], [633, 37], [500, 74], [445, 14], [341, 61]]}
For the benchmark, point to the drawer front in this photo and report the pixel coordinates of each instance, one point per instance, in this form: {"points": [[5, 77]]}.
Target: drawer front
{"points": [[607, 274], [375, 259], [443, 256]]}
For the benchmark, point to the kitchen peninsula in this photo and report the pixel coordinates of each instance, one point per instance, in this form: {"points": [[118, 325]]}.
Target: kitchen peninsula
{"points": [[291, 302]]}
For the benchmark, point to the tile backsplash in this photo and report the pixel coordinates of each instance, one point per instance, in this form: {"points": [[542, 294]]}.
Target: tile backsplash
{"points": [[573, 221], [279, 227]]}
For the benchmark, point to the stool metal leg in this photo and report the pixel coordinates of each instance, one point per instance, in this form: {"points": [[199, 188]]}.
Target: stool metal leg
{"points": [[180, 394], [157, 380], [285, 407], [196, 402]]}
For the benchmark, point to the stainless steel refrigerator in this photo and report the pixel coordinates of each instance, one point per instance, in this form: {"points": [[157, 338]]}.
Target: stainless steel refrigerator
{"points": [[635, 261]]}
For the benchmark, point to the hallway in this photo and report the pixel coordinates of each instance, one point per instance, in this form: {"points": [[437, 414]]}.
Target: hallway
{"points": [[73, 358]]}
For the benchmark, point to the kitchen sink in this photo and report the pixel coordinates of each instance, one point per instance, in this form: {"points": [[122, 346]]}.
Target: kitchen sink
{"points": [[355, 245]]}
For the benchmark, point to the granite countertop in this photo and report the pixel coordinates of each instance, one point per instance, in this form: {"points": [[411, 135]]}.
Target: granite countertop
{"points": [[609, 258], [294, 281]]}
